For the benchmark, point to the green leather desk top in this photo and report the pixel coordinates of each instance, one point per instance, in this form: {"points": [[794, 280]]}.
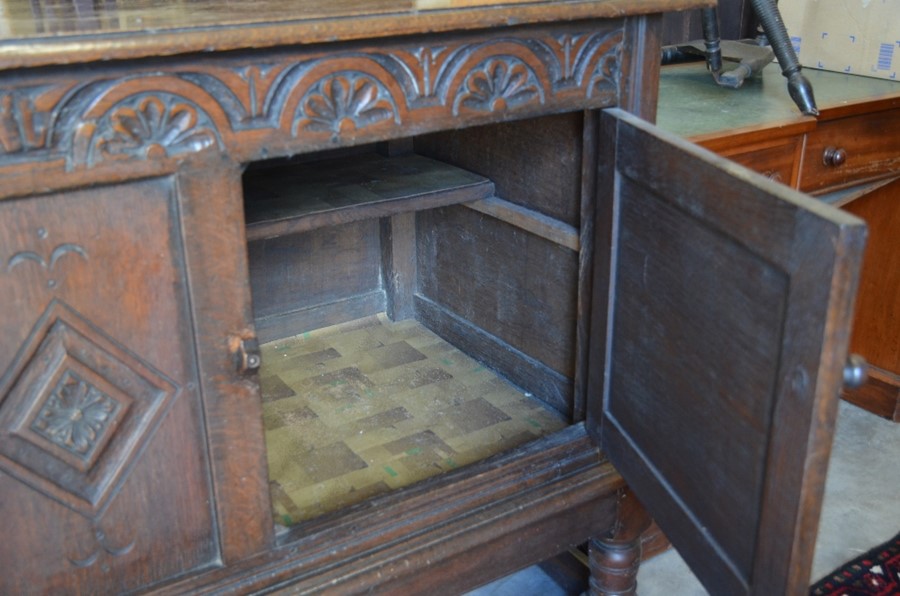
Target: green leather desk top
{"points": [[692, 105]]}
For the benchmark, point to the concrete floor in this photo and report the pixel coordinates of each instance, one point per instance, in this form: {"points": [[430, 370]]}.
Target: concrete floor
{"points": [[861, 510]]}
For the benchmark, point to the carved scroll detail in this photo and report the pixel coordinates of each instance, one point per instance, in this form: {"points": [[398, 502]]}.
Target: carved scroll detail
{"points": [[58, 252], [22, 126], [48, 265], [105, 546], [605, 75]]}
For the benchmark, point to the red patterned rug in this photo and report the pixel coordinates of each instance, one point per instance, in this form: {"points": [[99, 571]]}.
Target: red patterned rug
{"points": [[876, 573]]}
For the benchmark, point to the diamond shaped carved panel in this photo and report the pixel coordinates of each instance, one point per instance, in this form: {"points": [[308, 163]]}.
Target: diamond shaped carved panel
{"points": [[78, 409]]}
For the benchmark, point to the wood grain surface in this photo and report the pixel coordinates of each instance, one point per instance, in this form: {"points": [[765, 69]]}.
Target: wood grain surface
{"points": [[725, 348], [48, 32]]}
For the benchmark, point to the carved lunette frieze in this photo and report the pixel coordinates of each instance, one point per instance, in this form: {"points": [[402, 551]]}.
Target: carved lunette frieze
{"points": [[307, 98]]}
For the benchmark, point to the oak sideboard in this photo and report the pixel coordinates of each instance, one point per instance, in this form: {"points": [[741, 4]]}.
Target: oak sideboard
{"points": [[687, 318]]}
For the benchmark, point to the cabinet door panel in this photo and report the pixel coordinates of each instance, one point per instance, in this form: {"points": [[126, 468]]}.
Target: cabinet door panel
{"points": [[105, 469], [728, 317]]}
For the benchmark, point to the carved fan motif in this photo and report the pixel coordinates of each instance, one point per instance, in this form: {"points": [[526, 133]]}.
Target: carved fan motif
{"points": [[155, 126], [497, 85], [346, 102]]}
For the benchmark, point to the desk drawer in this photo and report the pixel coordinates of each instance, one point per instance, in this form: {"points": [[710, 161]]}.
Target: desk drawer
{"points": [[776, 161], [848, 150]]}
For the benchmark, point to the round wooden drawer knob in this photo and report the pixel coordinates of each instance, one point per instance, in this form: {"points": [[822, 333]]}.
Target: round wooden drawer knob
{"points": [[834, 156]]}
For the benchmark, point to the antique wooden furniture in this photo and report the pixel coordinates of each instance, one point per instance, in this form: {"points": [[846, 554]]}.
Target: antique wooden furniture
{"points": [[691, 316], [848, 157]]}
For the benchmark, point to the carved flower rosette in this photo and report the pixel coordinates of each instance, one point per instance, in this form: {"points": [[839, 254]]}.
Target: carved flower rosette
{"points": [[76, 416]]}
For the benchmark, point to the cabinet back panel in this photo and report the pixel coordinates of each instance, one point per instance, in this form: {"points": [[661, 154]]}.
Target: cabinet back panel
{"points": [[512, 284], [336, 265], [534, 163]]}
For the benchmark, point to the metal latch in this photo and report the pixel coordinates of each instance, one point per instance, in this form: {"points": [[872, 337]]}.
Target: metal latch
{"points": [[247, 358]]}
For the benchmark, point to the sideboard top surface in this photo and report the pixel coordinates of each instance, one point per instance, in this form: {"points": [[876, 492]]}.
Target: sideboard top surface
{"points": [[43, 32]]}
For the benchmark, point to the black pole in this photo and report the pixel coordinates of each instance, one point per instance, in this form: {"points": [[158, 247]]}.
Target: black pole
{"points": [[710, 24], [798, 86]]}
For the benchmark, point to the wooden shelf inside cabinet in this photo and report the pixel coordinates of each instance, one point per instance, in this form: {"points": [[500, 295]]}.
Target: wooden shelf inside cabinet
{"points": [[294, 198]]}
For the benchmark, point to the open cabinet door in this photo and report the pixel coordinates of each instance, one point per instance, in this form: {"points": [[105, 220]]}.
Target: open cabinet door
{"points": [[721, 319]]}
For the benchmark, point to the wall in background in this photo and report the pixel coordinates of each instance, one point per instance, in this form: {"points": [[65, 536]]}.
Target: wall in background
{"points": [[736, 21]]}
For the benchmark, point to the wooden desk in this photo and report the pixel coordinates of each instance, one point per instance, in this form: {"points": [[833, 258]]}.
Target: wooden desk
{"points": [[759, 127], [692, 336]]}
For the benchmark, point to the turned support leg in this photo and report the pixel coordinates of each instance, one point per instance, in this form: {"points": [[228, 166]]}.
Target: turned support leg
{"points": [[616, 556]]}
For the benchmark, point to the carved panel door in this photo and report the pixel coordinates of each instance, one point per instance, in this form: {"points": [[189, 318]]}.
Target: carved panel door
{"points": [[729, 302], [107, 470]]}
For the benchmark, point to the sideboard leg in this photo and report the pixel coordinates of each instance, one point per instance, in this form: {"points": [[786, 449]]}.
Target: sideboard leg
{"points": [[616, 556]]}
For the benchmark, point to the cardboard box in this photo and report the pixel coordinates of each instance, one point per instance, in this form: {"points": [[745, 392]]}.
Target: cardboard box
{"points": [[853, 36]]}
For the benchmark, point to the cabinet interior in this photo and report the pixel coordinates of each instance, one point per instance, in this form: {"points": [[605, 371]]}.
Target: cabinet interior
{"points": [[417, 303]]}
